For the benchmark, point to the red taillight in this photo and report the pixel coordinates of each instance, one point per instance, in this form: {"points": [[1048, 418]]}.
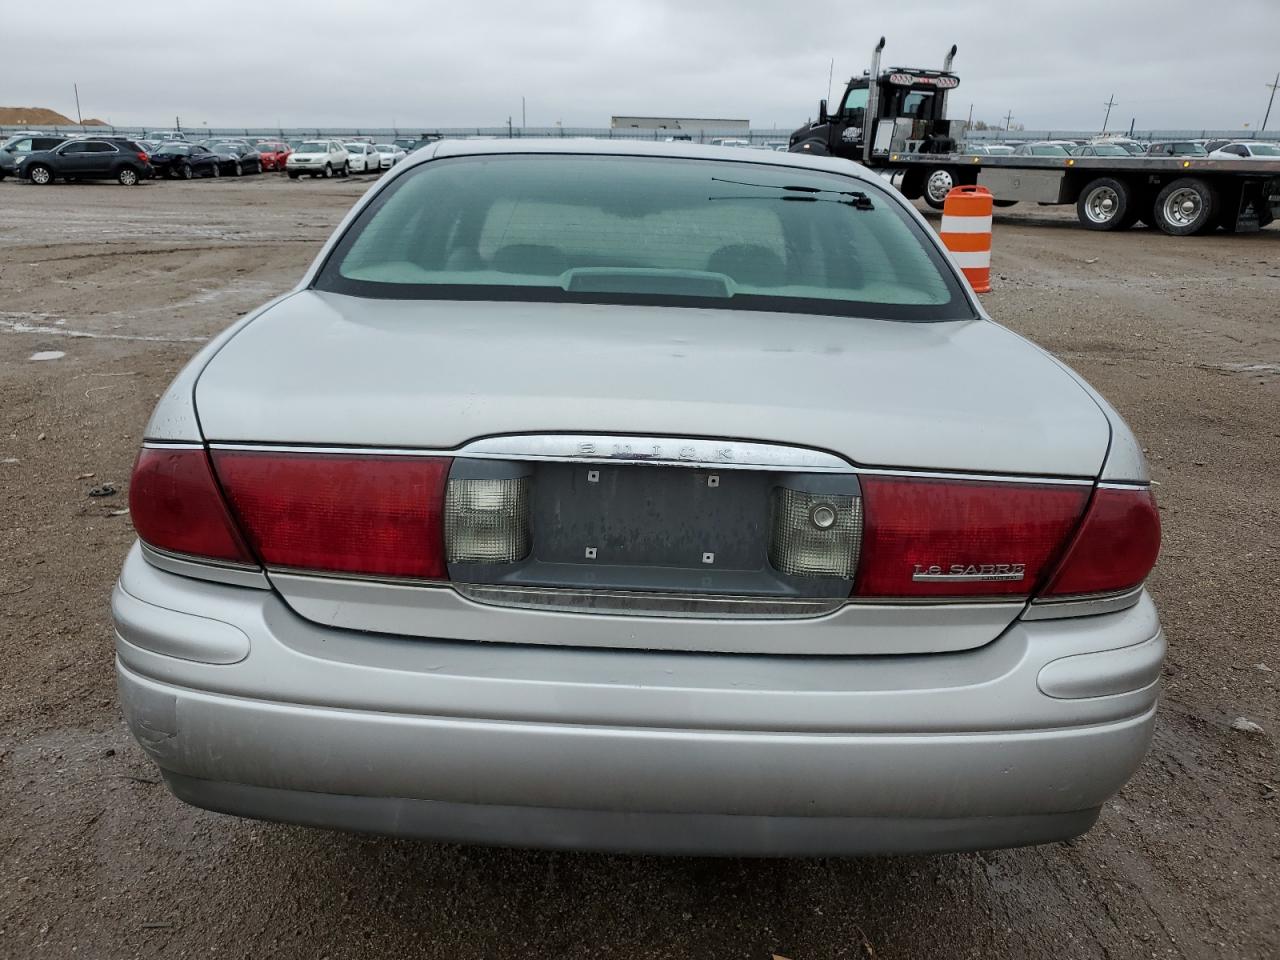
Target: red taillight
{"points": [[925, 538], [144, 158], [375, 515], [1116, 547], [175, 505]]}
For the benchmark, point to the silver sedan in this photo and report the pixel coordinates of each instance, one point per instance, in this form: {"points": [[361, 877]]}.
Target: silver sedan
{"points": [[648, 497]]}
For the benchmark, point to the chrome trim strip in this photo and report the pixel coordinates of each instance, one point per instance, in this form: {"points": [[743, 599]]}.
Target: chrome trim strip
{"points": [[664, 451], [372, 578], [911, 474], [750, 456], [1124, 484], [336, 450], [171, 445], [220, 571], [648, 604], [1057, 609]]}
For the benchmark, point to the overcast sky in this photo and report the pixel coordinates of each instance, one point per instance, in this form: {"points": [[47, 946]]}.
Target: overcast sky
{"points": [[1170, 63]]}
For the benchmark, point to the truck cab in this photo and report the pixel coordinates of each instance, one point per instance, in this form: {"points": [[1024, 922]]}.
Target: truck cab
{"points": [[882, 112]]}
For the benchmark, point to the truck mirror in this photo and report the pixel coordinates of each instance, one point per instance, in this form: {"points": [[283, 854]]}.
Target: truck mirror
{"points": [[822, 111]]}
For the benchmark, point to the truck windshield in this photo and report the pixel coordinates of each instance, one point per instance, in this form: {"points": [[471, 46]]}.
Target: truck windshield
{"points": [[855, 100], [651, 230]]}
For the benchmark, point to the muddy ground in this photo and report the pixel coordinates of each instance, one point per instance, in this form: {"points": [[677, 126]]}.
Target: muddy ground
{"points": [[97, 860]]}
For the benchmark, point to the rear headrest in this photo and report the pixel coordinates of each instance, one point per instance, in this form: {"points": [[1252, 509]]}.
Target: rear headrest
{"points": [[535, 258], [749, 264]]}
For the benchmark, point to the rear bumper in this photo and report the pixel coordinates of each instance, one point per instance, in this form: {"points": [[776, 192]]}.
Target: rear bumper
{"points": [[627, 750], [671, 834]]}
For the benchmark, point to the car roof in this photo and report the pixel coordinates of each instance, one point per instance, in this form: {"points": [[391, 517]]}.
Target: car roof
{"points": [[677, 149]]}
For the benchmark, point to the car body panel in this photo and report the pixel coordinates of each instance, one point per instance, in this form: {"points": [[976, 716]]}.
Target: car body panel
{"points": [[740, 745], [963, 395]]}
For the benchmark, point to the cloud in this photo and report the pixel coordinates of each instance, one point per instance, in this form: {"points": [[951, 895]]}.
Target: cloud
{"points": [[424, 65]]}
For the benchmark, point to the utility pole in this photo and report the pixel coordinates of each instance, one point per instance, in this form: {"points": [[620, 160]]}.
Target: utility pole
{"points": [[509, 133], [968, 124], [1008, 119], [1273, 85], [1132, 121], [831, 71], [79, 118], [1109, 104], [522, 121]]}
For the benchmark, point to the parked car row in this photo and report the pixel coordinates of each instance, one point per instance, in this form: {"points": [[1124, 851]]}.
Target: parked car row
{"points": [[43, 159]]}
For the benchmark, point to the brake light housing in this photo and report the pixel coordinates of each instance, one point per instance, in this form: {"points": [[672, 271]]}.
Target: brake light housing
{"points": [[365, 515], [176, 506], [941, 539], [1115, 548]]}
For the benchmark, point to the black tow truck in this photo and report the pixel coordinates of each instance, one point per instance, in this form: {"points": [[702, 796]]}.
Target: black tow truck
{"points": [[895, 121]]}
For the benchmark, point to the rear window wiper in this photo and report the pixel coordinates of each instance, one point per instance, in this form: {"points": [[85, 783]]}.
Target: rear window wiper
{"points": [[858, 200]]}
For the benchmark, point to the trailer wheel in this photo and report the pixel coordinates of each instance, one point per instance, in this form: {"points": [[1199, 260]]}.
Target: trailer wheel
{"points": [[1106, 204], [938, 182], [1186, 206]]}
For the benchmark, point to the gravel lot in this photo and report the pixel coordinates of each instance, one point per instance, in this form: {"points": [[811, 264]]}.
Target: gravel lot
{"points": [[97, 860]]}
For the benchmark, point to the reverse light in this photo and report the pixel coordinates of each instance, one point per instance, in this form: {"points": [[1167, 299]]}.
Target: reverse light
{"points": [[487, 520], [339, 513], [176, 506], [815, 534]]}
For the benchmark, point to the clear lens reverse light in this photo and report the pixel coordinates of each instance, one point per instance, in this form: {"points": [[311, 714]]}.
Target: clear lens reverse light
{"points": [[487, 521], [815, 534]]}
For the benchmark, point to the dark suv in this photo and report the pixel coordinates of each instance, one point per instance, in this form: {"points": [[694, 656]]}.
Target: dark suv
{"points": [[88, 158]]}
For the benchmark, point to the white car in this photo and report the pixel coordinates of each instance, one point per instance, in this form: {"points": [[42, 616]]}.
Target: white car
{"points": [[363, 158], [1247, 150], [320, 158], [389, 154]]}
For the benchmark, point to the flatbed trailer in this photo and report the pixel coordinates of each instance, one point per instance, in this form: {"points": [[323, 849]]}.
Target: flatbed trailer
{"points": [[1179, 195], [894, 121]]}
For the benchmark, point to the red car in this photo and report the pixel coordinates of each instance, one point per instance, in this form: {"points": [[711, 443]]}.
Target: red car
{"points": [[273, 153]]}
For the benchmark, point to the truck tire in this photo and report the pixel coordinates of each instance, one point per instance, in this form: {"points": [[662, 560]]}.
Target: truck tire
{"points": [[938, 182], [1185, 207], [1106, 204]]}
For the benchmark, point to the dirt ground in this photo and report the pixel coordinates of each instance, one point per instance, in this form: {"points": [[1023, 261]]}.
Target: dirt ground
{"points": [[97, 860]]}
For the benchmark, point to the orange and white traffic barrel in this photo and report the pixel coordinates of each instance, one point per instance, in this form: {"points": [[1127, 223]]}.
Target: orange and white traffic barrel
{"points": [[966, 231]]}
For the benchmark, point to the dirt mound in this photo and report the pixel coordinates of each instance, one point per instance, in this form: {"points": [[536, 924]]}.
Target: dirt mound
{"points": [[39, 117]]}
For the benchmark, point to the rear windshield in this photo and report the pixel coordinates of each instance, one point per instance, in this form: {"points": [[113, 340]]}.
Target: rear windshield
{"points": [[644, 230], [314, 146]]}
